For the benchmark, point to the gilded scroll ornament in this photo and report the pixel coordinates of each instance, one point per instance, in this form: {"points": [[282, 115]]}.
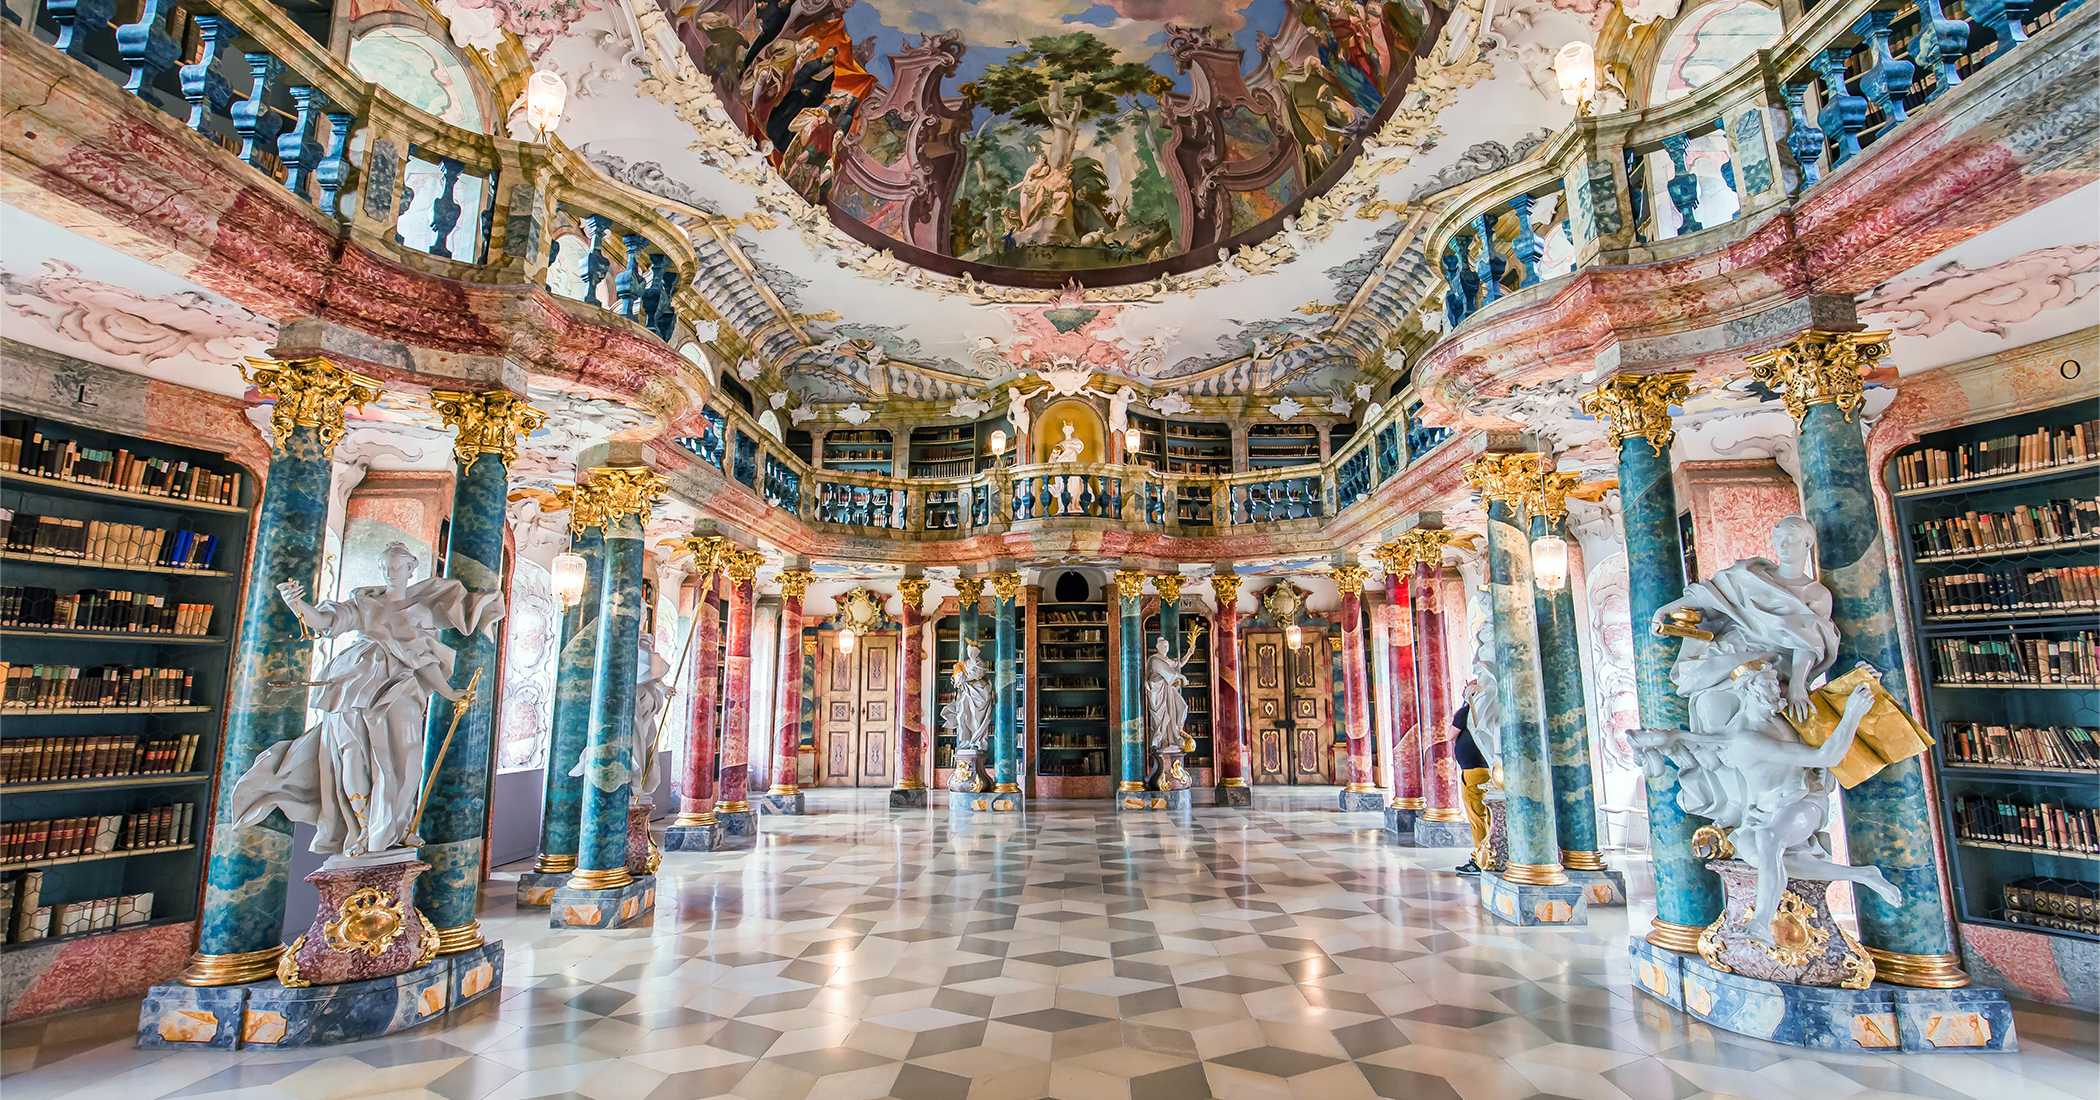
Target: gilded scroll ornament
{"points": [[368, 921]]}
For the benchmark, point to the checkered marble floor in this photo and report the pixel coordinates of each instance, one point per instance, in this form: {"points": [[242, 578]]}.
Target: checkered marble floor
{"points": [[1282, 952]]}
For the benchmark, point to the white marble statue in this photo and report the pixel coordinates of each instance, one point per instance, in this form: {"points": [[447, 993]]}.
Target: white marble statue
{"points": [[1166, 709], [652, 690], [357, 776], [1119, 402], [1017, 413], [1742, 764], [969, 714], [1069, 448]]}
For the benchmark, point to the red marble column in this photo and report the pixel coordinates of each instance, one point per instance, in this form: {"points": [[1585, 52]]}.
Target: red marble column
{"points": [[1443, 790], [696, 780], [1400, 658], [1356, 693], [787, 711], [1228, 730], [911, 655], [735, 783]]}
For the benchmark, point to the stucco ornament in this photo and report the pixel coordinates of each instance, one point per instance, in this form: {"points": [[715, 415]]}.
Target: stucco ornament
{"points": [[1988, 299], [1067, 378], [855, 415], [1757, 634], [969, 408], [1643, 12], [748, 368], [803, 413], [969, 714], [1287, 408], [126, 324], [707, 332], [1173, 404], [477, 26], [357, 776]]}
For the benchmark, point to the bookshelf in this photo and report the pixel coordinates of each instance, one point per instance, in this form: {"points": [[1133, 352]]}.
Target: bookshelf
{"points": [[948, 450], [1075, 743], [1152, 442], [1194, 448], [1198, 691], [860, 451], [947, 649], [1997, 526], [123, 565], [1271, 446]]}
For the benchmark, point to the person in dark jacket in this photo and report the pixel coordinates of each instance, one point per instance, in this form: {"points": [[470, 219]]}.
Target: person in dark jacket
{"points": [[1473, 771]]}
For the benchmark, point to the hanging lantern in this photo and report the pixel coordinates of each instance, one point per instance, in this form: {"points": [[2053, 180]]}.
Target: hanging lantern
{"points": [[568, 578], [998, 442], [1293, 637], [546, 96], [846, 638], [1132, 440], [1549, 562]]}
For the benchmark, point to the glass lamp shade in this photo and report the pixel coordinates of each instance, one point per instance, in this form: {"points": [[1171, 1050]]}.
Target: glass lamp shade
{"points": [[1293, 636], [546, 97], [845, 641], [568, 578], [1575, 70], [998, 443], [1132, 440], [1549, 562]]}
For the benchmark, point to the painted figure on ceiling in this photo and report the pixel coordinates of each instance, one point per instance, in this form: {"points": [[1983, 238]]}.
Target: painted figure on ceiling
{"points": [[810, 88]]}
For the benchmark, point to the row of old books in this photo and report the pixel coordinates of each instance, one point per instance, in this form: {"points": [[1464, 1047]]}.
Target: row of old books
{"points": [[53, 759], [2044, 826], [2040, 449], [2012, 588], [23, 919], [66, 837], [61, 687], [2060, 904], [2024, 526], [2036, 661], [106, 543], [27, 450], [101, 609], [2022, 746]]}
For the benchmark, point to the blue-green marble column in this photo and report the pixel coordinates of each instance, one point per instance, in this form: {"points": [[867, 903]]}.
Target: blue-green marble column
{"points": [[1567, 713], [1006, 683], [1130, 684], [240, 928], [562, 802], [1527, 783], [601, 851], [1687, 895]]}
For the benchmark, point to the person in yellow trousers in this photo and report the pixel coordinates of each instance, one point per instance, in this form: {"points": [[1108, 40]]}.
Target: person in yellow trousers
{"points": [[1474, 773]]}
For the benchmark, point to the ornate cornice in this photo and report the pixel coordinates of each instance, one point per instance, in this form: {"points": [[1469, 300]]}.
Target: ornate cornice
{"points": [[1638, 406], [741, 565], [1006, 586], [793, 584], [1820, 368], [1169, 586], [1350, 579], [310, 393], [1227, 587], [489, 423], [969, 590], [1130, 583], [912, 590], [1510, 478]]}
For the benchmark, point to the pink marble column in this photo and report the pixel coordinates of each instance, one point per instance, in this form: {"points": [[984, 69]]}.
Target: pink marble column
{"points": [[1443, 790], [1228, 732], [1356, 693], [735, 783], [696, 780], [787, 710], [911, 655], [1400, 659]]}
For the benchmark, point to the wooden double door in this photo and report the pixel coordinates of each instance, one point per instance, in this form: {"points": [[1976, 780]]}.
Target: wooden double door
{"points": [[1290, 707], [856, 715]]}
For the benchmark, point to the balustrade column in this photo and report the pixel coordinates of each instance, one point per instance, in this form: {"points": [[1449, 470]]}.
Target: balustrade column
{"points": [[1361, 793], [1888, 817], [1504, 481], [1006, 685], [242, 922], [1130, 687], [1228, 729], [1443, 822], [696, 773], [1567, 712], [456, 750], [910, 791], [785, 795], [1398, 661], [733, 817], [1687, 895]]}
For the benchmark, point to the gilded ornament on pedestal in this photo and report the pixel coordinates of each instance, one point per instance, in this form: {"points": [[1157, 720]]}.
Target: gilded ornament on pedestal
{"points": [[1820, 368], [1711, 842], [369, 920], [310, 393], [488, 423], [1638, 406], [1795, 941], [432, 940], [288, 965]]}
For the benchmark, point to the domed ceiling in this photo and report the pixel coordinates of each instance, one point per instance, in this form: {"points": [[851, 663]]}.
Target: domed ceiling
{"points": [[1022, 140]]}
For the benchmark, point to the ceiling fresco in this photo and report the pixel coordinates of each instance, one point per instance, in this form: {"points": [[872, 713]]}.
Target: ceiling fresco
{"points": [[1020, 140]]}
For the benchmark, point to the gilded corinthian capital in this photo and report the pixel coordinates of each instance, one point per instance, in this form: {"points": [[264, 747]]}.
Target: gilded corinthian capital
{"points": [[1227, 587], [310, 393], [1130, 583], [1425, 546], [489, 423], [793, 584], [707, 553], [1550, 498], [1820, 368], [742, 565], [913, 591], [618, 491], [1169, 586], [1638, 406], [969, 590], [1006, 586], [1349, 579], [1511, 478]]}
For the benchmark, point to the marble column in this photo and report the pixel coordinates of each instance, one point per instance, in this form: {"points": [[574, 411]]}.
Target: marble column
{"points": [[1130, 686], [693, 829], [604, 892], [241, 925], [1443, 822], [969, 593], [1404, 719], [1169, 587], [736, 824], [1228, 726], [561, 802], [1505, 481], [456, 756], [1888, 817], [1687, 895], [1567, 711], [910, 791], [1006, 689], [1361, 793], [785, 795]]}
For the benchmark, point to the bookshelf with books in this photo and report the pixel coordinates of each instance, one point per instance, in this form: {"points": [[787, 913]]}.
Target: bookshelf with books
{"points": [[1194, 448], [946, 450], [1197, 692], [858, 450], [1152, 442], [1998, 527], [947, 650], [123, 560], [1276, 445], [1075, 743]]}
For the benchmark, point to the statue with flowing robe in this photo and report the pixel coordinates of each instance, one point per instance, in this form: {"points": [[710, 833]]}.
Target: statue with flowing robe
{"points": [[1166, 709], [969, 714]]}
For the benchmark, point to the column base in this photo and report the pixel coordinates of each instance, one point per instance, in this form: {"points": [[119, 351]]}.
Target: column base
{"points": [[1606, 887], [985, 802], [1881, 1018], [1526, 906], [1234, 796], [267, 1015], [907, 798], [736, 829], [691, 838], [1363, 802], [787, 805], [536, 888], [617, 907], [1151, 801], [1402, 824], [1443, 834]]}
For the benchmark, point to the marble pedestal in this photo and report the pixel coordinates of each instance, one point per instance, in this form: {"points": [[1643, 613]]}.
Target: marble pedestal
{"points": [[790, 805], [270, 1015], [1400, 825], [1149, 801], [536, 888], [1881, 1018], [1606, 887], [1363, 802], [985, 802], [1234, 796], [967, 776], [907, 798], [367, 925], [615, 908], [1525, 905], [642, 853], [736, 830], [1442, 834], [691, 838], [1492, 854]]}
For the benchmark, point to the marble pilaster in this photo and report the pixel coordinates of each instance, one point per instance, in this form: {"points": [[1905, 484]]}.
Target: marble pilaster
{"points": [[1228, 727], [1006, 688], [693, 829], [735, 823], [1567, 716], [1398, 663], [785, 795], [910, 791], [1130, 688], [1361, 793], [1443, 822], [561, 804]]}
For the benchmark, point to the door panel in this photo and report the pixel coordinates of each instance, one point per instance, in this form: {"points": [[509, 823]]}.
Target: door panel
{"points": [[858, 710], [878, 709], [1288, 712], [1268, 713]]}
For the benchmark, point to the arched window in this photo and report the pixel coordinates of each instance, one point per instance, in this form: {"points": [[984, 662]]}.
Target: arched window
{"points": [[1707, 42], [421, 70]]}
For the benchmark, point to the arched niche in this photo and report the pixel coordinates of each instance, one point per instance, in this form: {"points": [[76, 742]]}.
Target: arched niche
{"points": [[1087, 427]]}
